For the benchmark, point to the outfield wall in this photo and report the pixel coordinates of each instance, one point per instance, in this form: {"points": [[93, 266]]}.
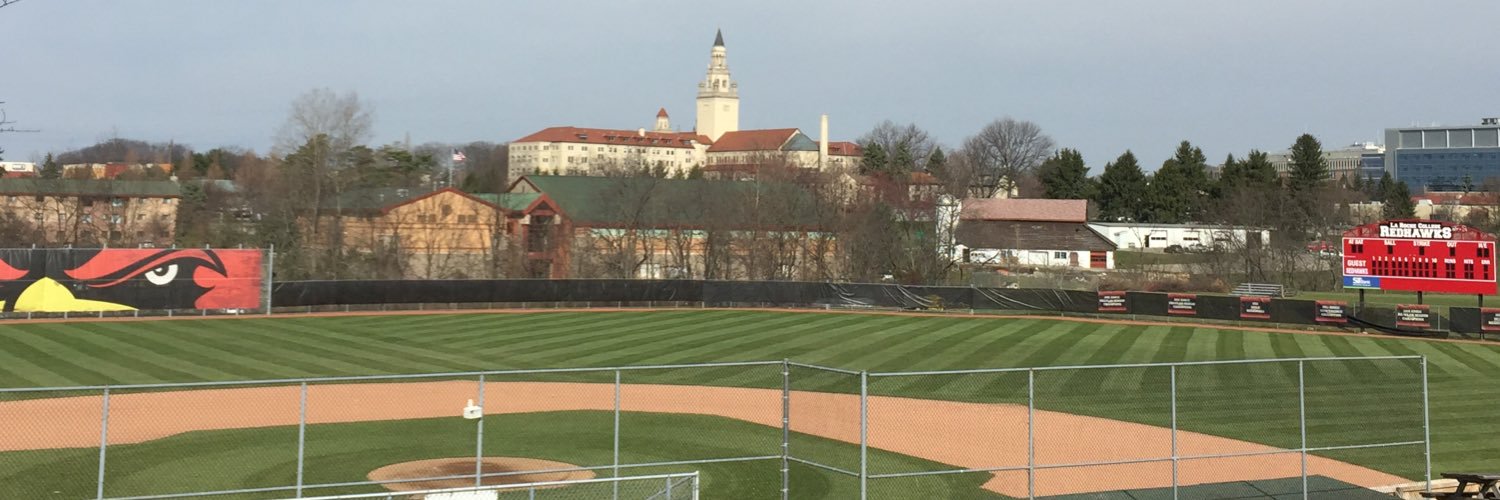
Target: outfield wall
{"points": [[1398, 320]]}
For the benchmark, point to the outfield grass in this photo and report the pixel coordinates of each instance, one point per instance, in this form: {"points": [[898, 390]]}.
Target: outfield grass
{"points": [[1384, 298], [1251, 404]]}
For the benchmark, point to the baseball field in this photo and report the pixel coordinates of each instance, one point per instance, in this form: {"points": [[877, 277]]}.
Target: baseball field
{"points": [[246, 449]]}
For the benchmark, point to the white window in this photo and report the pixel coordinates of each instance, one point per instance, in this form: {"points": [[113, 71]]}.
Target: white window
{"points": [[1059, 255]]}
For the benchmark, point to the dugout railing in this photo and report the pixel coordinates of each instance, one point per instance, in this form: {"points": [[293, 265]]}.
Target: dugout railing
{"points": [[1315, 426]]}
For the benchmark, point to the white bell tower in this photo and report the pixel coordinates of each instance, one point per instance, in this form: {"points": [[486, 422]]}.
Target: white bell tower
{"points": [[718, 96]]}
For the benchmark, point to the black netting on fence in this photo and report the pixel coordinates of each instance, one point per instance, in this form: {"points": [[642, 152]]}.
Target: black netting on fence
{"points": [[1399, 320]]}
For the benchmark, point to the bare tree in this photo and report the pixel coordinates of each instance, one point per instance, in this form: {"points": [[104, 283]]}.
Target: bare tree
{"points": [[5, 3], [1002, 153], [892, 137], [345, 119]]}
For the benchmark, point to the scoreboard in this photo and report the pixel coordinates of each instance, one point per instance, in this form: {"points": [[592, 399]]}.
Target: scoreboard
{"points": [[1419, 255]]}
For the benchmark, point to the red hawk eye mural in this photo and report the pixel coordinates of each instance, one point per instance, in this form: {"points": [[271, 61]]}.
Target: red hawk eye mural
{"points": [[79, 280]]}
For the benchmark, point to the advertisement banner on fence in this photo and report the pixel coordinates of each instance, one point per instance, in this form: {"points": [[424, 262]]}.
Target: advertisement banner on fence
{"points": [[1255, 307], [1112, 302], [1332, 311], [1185, 304], [126, 279], [1413, 315], [1489, 319]]}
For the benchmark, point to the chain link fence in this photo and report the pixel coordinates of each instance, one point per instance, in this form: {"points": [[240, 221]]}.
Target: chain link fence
{"points": [[1314, 426]]}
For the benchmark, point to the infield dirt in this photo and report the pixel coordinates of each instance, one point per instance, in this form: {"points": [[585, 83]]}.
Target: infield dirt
{"points": [[963, 435]]}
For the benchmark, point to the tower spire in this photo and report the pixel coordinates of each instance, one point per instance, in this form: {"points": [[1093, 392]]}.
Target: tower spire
{"points": [[718, 95]]}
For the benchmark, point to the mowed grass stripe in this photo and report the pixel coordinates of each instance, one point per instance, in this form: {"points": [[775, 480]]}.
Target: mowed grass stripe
{"points": [[591, 323], [427, 358], [842, 330], [124, 343], [586, 340], [227, 345], [730, 343], [169, 344], [548, 326], [876, 341], [631, 354], [19, 370], [458, 335], [965, 337], [353, 353], [626, 349], [301, 362], [39, 345], [805, 344], [1172, 345], [959, 335]]}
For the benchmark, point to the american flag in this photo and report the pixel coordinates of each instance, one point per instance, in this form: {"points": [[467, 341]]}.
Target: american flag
{"points": [[458, 156]]}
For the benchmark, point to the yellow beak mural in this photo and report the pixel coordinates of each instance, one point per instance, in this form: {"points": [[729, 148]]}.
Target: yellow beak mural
{"points": [[47, 295], [81, 280]]}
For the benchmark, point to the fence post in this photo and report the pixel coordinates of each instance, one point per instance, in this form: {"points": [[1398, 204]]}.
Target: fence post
{"points": [[103, 439], [786, 427], [864, 434], [301, 436], [617, 437], [1031, 434], [1426, 427], [270, 276], [479, 439], [1174, 431], [1302, 418]]}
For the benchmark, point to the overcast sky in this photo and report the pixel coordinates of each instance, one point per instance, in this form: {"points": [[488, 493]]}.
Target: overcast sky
{"points": [[1099, 76]]}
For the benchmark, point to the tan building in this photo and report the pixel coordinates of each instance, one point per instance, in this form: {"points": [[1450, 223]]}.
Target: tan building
{"points": [[744, 151], [88, 213], [596, 151], [591, 151], [589, 227], [1343, 163], [416, 234]]}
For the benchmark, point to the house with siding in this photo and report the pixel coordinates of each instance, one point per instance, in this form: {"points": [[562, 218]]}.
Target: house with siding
{"points": [[417, 233], [641, 227], [89, 213], [1012, 232]]}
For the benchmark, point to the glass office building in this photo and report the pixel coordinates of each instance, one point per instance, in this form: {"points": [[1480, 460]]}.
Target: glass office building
{"points": [[1444, 158]]}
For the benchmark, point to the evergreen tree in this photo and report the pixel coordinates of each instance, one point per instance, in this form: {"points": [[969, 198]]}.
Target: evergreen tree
{"points": [[1122, 190], [1308, 170], [1397, 201], [902, 163], [874, 159], [1064, 176], [1231, 175], [1179, 190], [50, 168], [936, 161], [1259, 170]]}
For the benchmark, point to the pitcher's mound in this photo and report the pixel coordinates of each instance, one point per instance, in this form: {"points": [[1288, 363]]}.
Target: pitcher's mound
{"points": [[465, 466]]}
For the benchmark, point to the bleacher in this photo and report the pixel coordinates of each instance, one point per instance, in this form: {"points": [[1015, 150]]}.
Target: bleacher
{"points": [[1261, 290]]}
